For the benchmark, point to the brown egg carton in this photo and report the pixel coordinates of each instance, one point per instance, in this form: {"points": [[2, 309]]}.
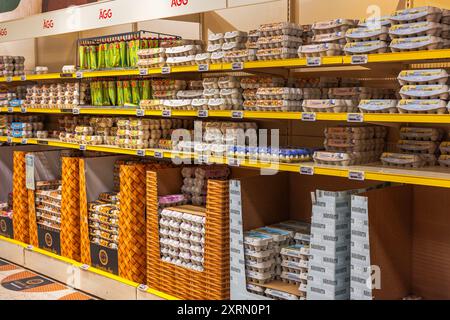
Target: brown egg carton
{"points": [[350, 145], [418, 147], [444, 161], [403, 160], [445, 148], [421, 134]]}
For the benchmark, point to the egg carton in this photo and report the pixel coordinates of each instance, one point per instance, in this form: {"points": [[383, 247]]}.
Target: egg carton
{"points": [[294, 267], [170, 94], [403, 160], [367, 34], [235, 36], [216, 38], [276, 53], [378, 106], [203, 58], [250, 94], [335, 25], [211, 93], [445, 148], [352, 145], [183, 51], [426, 13], [189, 94], [259, 278], [416, 43], [330, 105], [294, 278], [444, 161], [233, 46], [272, 105], [344, 159], [261, 267], [257, 242], [228, 82], [258, 290], [281, 295], [357, 133], [222, 104], [217, 57], [351, 93], [214, 48], [280, 237], [261, 82], [239, 55], [279, 42], [334, 37], [231, 95], [433, 106], [177, 104], [168, 84], [421, 134], [445, 34], [423, 77], [320, 50], [425, 92], [375, 22], [280, 93], [106, 244], [418, 147], [211, 83], [281, 28], [151, 53], [181, 61], [313, 93], [259, 256], [416, 29], [366, 47], [295, 253]]}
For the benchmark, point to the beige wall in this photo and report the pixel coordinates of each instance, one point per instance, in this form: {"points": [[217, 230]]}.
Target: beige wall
{"points": [[436, 3]]}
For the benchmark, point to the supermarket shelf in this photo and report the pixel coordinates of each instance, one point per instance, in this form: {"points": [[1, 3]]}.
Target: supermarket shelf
{"points": [[77, 275], [433, 177], [397, 57]]}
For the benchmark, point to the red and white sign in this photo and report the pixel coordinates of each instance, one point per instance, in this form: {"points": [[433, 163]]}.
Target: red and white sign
{"points": [[48, 24], [105, 14], [3, 32], [179, 3]]}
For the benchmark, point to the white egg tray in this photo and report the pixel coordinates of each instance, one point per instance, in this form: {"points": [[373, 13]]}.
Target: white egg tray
{"points": [[427, 13], [235, 36], [334, 25], [281, 295], [165, 85], [177, 104], [259, 278], [352, 145], [182, 51], [418, 147], [403, 160], [444, 161], [261, 267], [425, 92], [255, 289], [276, 53], [231, 94], [294, 278], [334, 37], [434, 106], [181, 61], [214, 48], [367, 34], [297, 253], [416, 43], [233, 46], [294, 267], [211, 83], [378, 106], [279, 42], [280, 93], [366, 47], [420, 134], [189, 94], [211, 93], [445, 148], [222, 104], [259, 256], [151, 53], [216, 38], [329, 105], [384, 21], [416, 29], [281, 28], [423, 77], [261, 82], [239, 55], [228, 82], [203, 58], [217, 57]]}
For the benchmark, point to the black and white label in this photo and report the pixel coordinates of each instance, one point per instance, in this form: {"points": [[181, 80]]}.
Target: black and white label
{"points": [[79, 75], [23, 110], [143, 72], [203, 67], [10, 109], [9, 79], [9, 140], [234, 162], [167, 113], [203, 159], [309, 117], [360, 59], [203, 114], [76, 111], [313, 61], [140, 153], [308, 171], [85, 267], [159, 155], [357, 175], [83, 147], [236, 66], [140, 113], [355, 117], [166, 70], [237, 115], [23, 78], [24, 141]]}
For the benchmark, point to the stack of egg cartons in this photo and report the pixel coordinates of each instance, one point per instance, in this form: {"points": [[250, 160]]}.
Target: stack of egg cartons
{"points": [[183, 55], [235, 47], [26, 126], [6, 97], [279, 41], [133, 134], [151, 58], [279, 99], [12, 66], [349, 145], [328, 40], [230, 94], [104, 220], [165, 90], [251, 85], [371, 36], [252, 39], [329, 260], [417, 29], [48, 204], [444, 159], [214, 52]]}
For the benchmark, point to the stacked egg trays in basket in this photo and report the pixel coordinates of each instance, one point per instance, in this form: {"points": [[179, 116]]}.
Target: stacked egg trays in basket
{"points": [[419, 147], [278, 252], [12, 66], [57, 96], [20, 126], [104, 220], [48, 204], [351, 145]]}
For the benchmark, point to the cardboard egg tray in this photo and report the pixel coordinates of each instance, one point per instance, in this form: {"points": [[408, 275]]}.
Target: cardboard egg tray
{"points": [[366, 47], [277, 53], [320, 50], [445, 148], [417, 29], [334, 37], [281, 28], [294, 278], [355, 132], [281, 295], [367, 34], [279, 42], [378, 106], [425, 92], [427, 13], [418, 147], [336, 25], [403, 160], [444, 161], [421, 134], [432, 106], [416, 43], [345, 159], [423, 77], [333, 106], [351, 145]]}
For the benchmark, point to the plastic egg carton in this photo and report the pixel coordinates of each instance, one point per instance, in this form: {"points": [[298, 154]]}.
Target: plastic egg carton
{"points": [[334, 37], [425, 92], [261, 82], [403, 160], [416, 29], [274, 105], [281, 28], [276, 53], [366, 47], [181, 61], [420, 134], [235, 36], [444, 161], [330, 105], [378, 106], [426, 13], [280, 93], [445, 148], [279, 42], [183, 51], [216, 38], [334, 25], [367, 34], [239, 55], [423, 77], [416, 43], [418, 147], [434, 106]]}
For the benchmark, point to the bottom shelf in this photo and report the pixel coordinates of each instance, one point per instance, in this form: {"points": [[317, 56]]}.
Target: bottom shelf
{"points": [[76, 275]]}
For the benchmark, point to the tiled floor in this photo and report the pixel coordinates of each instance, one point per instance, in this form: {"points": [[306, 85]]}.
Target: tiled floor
{"points": [[17, 283]]}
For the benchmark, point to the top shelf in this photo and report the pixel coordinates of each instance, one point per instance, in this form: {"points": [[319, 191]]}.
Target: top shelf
{"points": [[334, 61]]}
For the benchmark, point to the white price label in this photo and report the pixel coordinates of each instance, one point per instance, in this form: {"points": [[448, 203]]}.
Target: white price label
{"points": [[9, 140], [234, 162], [237, 115], [308, 171], [23, 78], [23, 110], [355, 117], [166, 70], [203, 67], [309, 116], [79, 75], [140, 113], [24, 141], [143, 288], [236, 66], [83, 147], [76, 111], [203, 114], [203, 159], [29, 248], [85, 267], [143, 72], [167, 113], [357, 175], [159, 155], [140, 153], [10, 109], [360, 59], [313, 61], [9, 79]]}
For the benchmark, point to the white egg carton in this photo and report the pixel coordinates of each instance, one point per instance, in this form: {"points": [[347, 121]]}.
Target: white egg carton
{"points": [[280, 28], [203, 58], [239, 55], [233, 46], [259, 278], [259, 256], [295, 267], [151, 63], [280, 93], [329, 105], [272, 105], [344, 159], [280, 237], [279, 42], [296, 253], [228, 82], [334, 25], [261, 267], [417, 147], [231, 94], [177, 104], [445, 148], [276, 53], [426, 13], [438, 91], [217, 57], [151, 53], [181, 61], [367, 34], [420, 134], [211, 83], [334, 37], [384, 21], [236, 36], [416, 43], [222, 104], [434, 106], [211, 93], [416, 29], [403, 160], [320, 50], [199, 104], [294, 278], [378, 106], [216, 38], [214, 48], [366, 47], [189, 94], [280, 295], [255, 289], [423, 77], [257, 242], [182, 51]]}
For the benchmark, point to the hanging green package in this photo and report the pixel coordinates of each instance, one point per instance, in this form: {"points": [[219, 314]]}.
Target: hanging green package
{"points": [[130, 44], [96, 92], [101, 56], [82, 56], [87, 52], [135, 44], [127, 95], [105, 93], [93, 55], [120, 98], [135, 91], [112, 90], [123, 52], [146, 90], [114, 54]]}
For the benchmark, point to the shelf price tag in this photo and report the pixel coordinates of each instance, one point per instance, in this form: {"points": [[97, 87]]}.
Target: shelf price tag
{"points": [[360, 59], [167, 113], [83, 147], [143, 288], [10, 109], [237, 66], [203, 67], [140, 153], [42, 143], [308, 171], [76, 111], [29, 248], [313, 61], [85, 267], [203, 114], [23, 110], [166, 70], [23, 78], [159, 155], [237, 115], [66, 75], [355, 117], [9, 79], [24, 141], [140, 113], [79, 75], [309, 116], [143, 72], [357, 175], [203, 159], [9, 140], [234, 162]]}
